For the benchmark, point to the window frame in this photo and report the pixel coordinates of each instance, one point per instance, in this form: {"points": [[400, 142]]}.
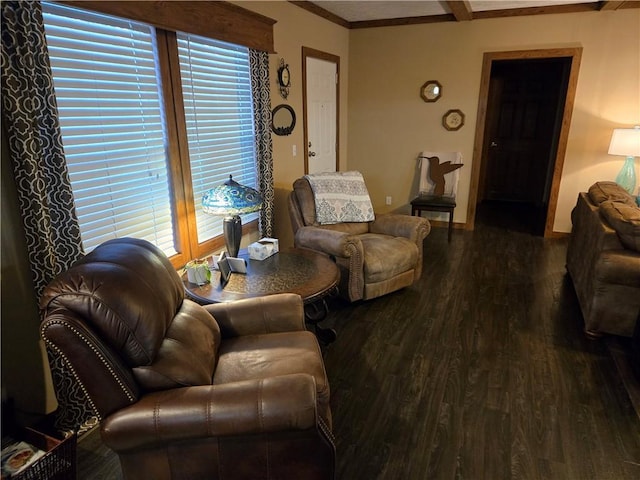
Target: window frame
{"points": [[182, 199], [178, 157]]}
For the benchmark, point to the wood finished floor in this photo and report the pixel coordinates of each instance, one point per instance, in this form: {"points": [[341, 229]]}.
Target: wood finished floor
{"points": [[479, 371]]}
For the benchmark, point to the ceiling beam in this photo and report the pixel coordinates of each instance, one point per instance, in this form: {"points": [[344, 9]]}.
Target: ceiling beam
{"points": [[611, 5], [461, 10], [394, 22], [544, 10], [321, 12]]}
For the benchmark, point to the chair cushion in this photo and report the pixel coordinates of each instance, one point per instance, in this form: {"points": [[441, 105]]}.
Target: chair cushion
{"points": [[350, 228], [187, 355], [625, 220], [255, 357], [386, 256]]}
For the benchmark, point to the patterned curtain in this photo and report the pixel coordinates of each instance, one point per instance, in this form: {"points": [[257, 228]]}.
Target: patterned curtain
{"points": [[264, 150], [30, 117]]}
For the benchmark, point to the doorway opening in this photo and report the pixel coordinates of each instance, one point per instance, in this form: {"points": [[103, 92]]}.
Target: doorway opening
{"points": [[524, 113]]}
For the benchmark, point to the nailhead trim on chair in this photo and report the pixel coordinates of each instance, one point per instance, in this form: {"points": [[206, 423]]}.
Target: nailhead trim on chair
{"points": [[355, 259], [124, 388], [328, 434], [65, 398], [422, 233]]}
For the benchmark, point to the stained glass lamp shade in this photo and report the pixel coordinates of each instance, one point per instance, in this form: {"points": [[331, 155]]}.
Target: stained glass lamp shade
{"points": [[231, 200]]}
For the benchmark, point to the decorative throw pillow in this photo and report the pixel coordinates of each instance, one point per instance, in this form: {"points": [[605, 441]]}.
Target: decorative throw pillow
{"points": [[625, 220], [602, 191], [341, 197]]}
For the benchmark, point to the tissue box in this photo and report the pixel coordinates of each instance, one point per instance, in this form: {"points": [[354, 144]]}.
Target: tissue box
{"points": [[263, 248]]}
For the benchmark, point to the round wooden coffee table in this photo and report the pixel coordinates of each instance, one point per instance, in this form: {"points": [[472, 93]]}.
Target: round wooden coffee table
{"points": [[310, 274]]}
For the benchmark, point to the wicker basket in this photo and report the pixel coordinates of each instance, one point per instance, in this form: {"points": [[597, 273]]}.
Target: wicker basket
{"points": [[59, 463]]}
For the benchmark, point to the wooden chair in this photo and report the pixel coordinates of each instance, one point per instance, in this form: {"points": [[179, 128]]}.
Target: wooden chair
{"points": [[435, 193]]}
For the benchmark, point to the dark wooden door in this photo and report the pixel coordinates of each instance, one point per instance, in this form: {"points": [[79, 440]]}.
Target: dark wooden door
{"points": [[524, 115]]}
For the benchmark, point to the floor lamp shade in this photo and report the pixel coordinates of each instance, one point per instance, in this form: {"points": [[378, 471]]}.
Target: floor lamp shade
{"points": [[231, 200], [626, 142]]}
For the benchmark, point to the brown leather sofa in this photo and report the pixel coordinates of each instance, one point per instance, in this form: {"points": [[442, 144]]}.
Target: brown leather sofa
{"points": [[603, 259], [227, 391], [374, 258]]}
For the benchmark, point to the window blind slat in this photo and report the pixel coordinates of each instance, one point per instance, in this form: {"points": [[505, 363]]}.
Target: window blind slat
{"points": [[113, 127], [216, 84], [107, 91]]}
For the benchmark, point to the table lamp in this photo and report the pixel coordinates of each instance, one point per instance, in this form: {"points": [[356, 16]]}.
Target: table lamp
{"points": [[626, 142], [231, 200]]}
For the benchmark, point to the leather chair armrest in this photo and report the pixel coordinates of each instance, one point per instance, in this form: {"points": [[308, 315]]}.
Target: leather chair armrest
{"points": [[331, 242], [397, 225], [273, 404], [283, 312]]}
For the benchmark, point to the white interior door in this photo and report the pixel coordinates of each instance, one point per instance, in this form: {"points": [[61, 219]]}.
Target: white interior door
{"points": [[322, 78]]}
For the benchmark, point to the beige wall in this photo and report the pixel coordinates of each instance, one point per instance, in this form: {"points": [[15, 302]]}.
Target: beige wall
{"points": [[389, 124], [297, 28], [384, 124]]}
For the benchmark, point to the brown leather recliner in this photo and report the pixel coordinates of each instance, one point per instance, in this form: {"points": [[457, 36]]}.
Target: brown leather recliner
{"points": [[375, 258], [226, 391]]}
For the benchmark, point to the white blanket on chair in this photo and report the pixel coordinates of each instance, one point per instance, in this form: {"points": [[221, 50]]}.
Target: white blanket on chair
{"points": [[340, 197]]}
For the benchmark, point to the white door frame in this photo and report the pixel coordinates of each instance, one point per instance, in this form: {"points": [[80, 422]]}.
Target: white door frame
{"points": [[310, 52]]}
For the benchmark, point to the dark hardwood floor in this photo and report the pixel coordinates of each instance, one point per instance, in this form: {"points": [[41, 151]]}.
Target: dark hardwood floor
{"points": [[479, 371]]}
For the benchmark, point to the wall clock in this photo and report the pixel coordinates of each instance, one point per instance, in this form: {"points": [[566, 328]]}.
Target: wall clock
{"points": [[284, 79], [453, 120], [431, 91]]}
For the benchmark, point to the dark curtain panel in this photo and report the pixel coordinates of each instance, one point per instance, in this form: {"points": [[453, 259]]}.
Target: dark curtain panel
{"points": [[264, 149], [30, 118]]}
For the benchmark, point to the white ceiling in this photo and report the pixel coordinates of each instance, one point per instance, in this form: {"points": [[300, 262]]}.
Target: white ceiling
{"points": [[358, 10]]}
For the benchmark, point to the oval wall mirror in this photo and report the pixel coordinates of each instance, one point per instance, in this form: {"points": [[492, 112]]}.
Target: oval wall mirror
{"points": [[283, 119]]}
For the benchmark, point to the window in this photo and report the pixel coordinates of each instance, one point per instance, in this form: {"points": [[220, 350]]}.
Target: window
{"points": [[216, 91], [126, 167]]}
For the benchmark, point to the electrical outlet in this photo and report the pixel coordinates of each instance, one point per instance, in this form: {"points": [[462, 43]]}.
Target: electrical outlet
{"points": [[387, 200], [295, 150]]}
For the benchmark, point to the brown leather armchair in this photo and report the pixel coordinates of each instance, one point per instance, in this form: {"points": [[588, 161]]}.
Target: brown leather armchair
{"points": [[227, 391], [375, 258]]}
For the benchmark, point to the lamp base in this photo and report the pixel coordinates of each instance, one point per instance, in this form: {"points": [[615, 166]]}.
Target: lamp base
{"points": [[627, 176], [232, 229]]}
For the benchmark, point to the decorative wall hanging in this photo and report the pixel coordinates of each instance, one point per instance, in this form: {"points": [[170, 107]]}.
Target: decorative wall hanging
{"points": [[283, 119], [453, 120], [284, 79], [431, 91]]}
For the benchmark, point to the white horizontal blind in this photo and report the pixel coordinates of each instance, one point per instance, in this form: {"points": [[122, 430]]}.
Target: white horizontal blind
{"points": [[216, 86], [107, 90]]}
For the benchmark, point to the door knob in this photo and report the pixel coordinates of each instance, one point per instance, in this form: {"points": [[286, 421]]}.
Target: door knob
{"points": [[493, 144], [312, 154]]}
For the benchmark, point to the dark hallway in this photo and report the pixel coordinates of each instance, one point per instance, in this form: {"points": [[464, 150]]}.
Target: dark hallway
{"points": [[524, 117], [512, 216]]}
